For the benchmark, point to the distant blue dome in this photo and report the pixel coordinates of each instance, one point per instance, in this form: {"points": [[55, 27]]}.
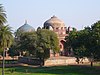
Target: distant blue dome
{"points": [[26, 28]]}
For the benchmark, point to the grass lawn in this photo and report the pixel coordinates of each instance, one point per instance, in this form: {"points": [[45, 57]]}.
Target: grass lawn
{"points": [[54, 70]]}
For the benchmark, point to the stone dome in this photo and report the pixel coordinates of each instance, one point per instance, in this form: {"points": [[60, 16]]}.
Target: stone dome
{"points": [[26, 28], [54, 22]]}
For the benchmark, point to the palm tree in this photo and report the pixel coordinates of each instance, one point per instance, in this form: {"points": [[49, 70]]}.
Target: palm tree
{"points": [[2, 16], [6, 39]]}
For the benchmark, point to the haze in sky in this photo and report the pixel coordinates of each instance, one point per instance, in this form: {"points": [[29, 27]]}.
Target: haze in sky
{"points": [[74, 13]]}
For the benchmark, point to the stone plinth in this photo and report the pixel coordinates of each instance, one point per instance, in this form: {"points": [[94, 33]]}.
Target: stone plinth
{"points": [[53, 61]]}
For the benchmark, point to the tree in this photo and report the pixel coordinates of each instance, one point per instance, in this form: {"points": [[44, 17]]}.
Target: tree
{"points": [[24, 42], [6, 39], [94, 48], [71, 40], [13, 50], [48, 40], [77, 41], [96, 39], [28, 42], [2, 16], [86, 42], [38, 42], [92, 42]]}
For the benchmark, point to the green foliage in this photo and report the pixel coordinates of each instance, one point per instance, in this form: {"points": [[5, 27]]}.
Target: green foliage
{"points": [[6, 37], [47, 40], [86, 42], [2, 16], [37, 43]]}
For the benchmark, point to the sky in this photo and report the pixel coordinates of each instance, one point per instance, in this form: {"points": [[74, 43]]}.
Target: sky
{"points": [[74, 13]]}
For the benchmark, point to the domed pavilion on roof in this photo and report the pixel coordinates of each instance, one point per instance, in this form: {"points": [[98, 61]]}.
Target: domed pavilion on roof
{"points": [[58, 27], [26, 28]]}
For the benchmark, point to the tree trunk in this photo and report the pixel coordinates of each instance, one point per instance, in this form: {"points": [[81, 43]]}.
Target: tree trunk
{"points": [[91, 63], [3, 62]]}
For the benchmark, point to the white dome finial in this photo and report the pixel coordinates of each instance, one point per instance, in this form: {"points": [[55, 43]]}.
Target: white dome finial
{"points": [[25, 21]]}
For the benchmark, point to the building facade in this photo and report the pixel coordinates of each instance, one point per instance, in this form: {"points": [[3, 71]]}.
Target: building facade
{"points": [[58, 27]]}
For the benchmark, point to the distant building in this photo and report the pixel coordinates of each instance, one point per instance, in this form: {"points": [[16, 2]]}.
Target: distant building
{"points": [[26, 28], [54, 24], [58, 27]]}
